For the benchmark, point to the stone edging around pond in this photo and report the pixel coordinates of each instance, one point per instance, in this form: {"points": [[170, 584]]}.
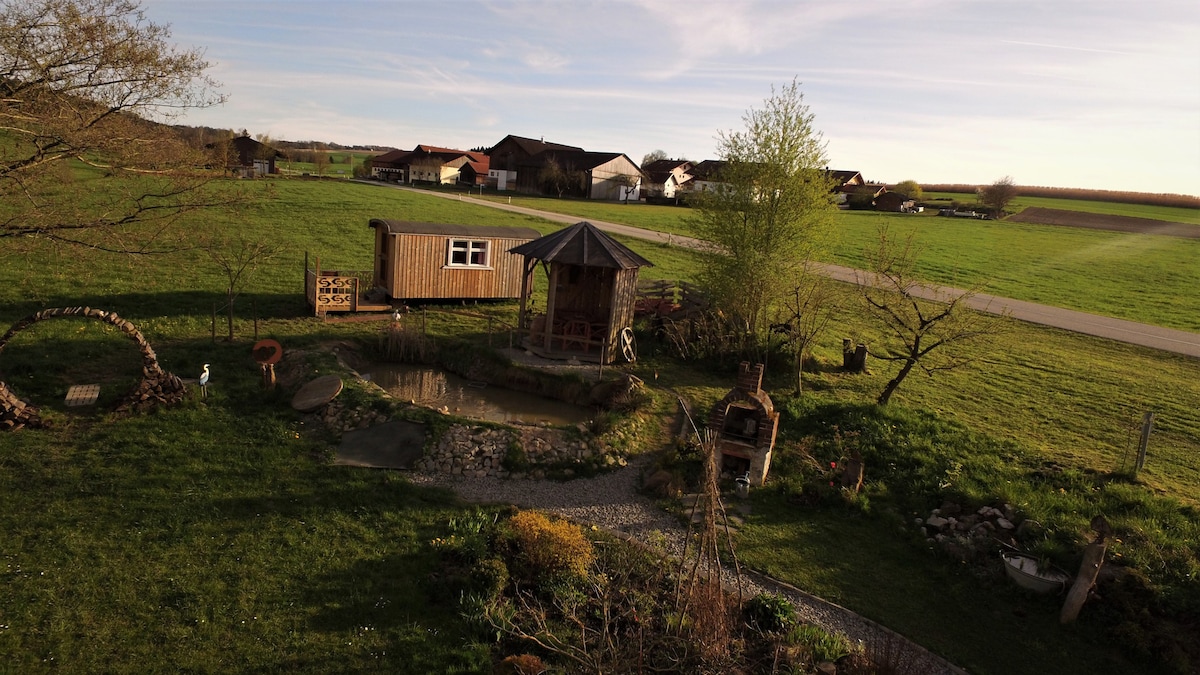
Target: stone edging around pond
{"points": [[479, 450]]}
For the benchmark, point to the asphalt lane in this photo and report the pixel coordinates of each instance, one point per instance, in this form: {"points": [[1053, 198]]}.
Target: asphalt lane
{"points": [[1131, 332]]}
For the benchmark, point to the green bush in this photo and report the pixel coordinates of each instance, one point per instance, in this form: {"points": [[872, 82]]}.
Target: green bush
{"points": [[770, 613]]}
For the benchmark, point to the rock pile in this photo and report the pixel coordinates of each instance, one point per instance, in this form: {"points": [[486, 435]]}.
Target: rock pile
{"points": [[967, 535], [341, 418], [531, 452]]}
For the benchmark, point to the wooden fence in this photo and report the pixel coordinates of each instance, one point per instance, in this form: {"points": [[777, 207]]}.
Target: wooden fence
{"points": [[336, 291]]}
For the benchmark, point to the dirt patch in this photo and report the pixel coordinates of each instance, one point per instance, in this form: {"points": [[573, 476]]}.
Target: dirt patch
{"points": [[1097, 221]]}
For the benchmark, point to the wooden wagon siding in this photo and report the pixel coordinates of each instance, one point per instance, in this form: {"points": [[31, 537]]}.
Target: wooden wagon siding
{"points": [[411, 261]]}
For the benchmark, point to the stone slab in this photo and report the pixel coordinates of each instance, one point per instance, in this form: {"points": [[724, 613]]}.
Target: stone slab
{"points": [[391, 445], [317, 393]]}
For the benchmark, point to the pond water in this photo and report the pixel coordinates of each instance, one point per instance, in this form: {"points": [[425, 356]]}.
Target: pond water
{"points": [[435, 388]]}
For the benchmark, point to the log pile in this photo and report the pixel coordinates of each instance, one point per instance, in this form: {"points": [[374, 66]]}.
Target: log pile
{"points": [[15, 413], [157, 387]]}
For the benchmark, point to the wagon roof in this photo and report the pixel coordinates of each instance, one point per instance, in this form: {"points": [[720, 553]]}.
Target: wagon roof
{"points": [[582, 244], [490, 231]]}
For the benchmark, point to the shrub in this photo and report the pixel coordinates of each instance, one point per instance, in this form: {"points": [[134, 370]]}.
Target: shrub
{"points": [[521, 664], [548, 547], [821, 644], [770, 613], [489, 577]]}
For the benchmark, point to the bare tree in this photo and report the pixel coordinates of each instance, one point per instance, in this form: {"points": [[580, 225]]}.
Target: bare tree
{"points": [[920, 332], [558, 178], [998, 195], [238, 258], [320, 161], [92, 81], [628, 184], [814, 302]]}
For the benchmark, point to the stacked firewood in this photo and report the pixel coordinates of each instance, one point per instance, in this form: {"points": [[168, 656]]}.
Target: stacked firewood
{"points": [[15, 413]]}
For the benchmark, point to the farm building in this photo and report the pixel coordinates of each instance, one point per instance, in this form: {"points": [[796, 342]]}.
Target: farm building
{"points": [[590, 298], [425, 261]]}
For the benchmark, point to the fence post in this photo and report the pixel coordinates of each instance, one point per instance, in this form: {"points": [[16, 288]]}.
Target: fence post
{"points": [[214, 323], [1144, 441]]}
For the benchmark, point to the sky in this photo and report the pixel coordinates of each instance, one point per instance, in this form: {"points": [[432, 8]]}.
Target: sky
{"points": [[1097, 94]]}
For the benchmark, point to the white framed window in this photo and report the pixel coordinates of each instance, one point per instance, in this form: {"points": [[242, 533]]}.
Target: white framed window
{"points": [[468, 253]]}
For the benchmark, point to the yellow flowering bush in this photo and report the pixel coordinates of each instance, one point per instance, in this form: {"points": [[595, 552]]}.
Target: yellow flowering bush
{"points": [[550, 546]]}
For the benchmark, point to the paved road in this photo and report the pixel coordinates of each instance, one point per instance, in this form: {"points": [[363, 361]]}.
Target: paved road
{"points": [[1145, 335]]}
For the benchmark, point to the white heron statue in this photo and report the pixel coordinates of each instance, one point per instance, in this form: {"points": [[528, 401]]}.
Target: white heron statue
{"points": [[204, 382]]}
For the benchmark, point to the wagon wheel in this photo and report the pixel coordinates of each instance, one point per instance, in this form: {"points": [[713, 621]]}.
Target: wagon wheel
{"points": [[628, 346]]}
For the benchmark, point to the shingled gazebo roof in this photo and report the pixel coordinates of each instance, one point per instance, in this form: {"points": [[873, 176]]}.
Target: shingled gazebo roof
{"points": [[582, 244]]}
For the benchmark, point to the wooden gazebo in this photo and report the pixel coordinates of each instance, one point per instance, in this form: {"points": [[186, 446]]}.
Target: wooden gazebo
{"points": [[590, 298]]}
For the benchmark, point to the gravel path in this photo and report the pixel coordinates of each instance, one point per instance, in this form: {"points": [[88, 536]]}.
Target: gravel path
{"points": [[611, 501]]}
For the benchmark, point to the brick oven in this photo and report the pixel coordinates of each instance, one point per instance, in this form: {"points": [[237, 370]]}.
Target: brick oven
{"points": [[745, 424]]}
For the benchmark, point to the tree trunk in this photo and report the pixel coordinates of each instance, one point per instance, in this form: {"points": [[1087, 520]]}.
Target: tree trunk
{"points": [[895, 383], [230, 298]]}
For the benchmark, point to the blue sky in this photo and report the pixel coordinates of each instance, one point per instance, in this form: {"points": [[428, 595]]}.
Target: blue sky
{"points": [[1069, 93]]}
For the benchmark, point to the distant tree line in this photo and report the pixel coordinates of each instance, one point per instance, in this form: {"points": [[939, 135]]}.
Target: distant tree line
{"points": [[1123, 197]]}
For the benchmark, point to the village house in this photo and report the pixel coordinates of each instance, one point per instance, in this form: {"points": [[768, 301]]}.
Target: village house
{"points": [[245, 157], [666, 179], [425, 164], [510, 153]]}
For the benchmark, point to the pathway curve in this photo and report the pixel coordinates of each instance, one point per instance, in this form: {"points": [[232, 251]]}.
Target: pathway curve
{"points": [[1131, 332], [611, 501]]}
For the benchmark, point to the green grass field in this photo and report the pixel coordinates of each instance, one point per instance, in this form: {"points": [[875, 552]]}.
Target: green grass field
{"points": [[217, 536], [1144, 278], [1168, 213]]}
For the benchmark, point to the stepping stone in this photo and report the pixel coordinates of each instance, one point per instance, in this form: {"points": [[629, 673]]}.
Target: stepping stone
{"points": [[318, 393], [82, 394], [391, 445]]}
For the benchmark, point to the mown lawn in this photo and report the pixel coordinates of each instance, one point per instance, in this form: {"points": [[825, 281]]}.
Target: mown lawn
{"points": [[122, 536]]}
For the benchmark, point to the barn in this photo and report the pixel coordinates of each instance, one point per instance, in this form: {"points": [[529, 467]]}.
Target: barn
{"points": [[426, 261]]}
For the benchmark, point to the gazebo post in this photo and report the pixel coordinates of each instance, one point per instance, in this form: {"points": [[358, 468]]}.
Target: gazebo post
{"points": [[526, 288], [550, 299]]}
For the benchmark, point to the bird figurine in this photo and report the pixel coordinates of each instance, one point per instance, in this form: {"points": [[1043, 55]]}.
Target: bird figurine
{"points": [[204, 382]]}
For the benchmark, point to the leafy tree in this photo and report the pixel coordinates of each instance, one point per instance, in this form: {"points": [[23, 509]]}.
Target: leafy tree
{"points": [[86, 87], [910, 189], [998, 195], [768, 215], [924, 327], [653, 156]]}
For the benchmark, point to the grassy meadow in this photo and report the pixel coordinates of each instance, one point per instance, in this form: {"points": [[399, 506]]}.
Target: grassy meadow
{"points": [[1172, 214], [216, 536], [1143, 278]]}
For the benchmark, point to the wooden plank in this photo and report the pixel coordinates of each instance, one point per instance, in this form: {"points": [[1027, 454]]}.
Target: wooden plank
{"points": [[82, 394]]}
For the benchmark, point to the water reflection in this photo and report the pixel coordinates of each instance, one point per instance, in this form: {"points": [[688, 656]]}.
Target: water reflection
{"points": [[435, 388]]}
